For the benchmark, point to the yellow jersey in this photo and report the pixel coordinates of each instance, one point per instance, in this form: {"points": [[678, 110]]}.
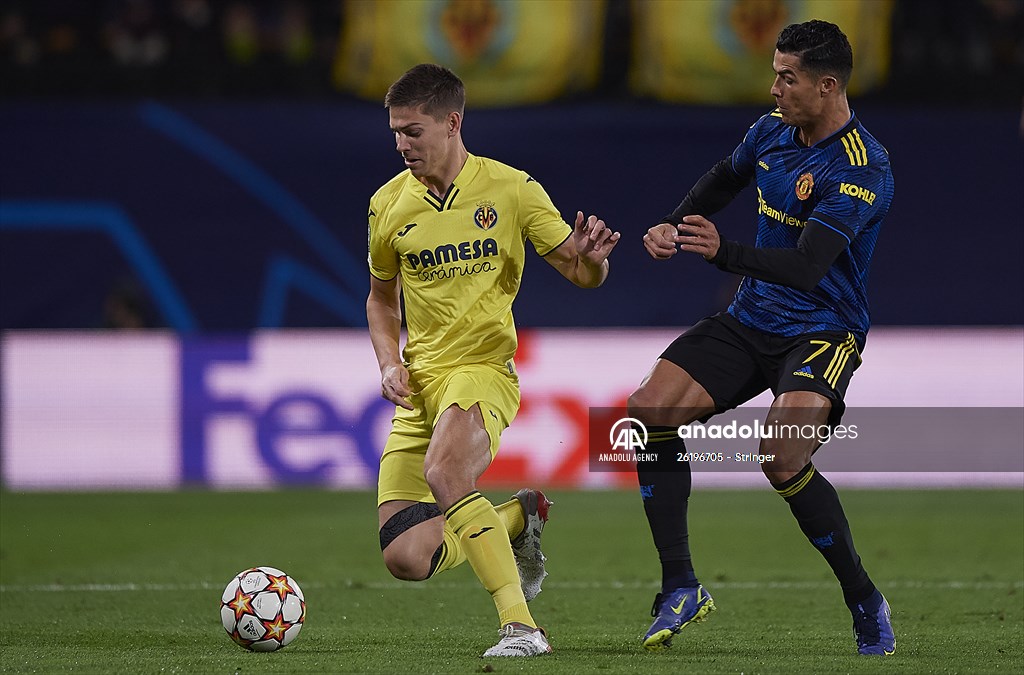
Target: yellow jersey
{"points": [[461, 259]]}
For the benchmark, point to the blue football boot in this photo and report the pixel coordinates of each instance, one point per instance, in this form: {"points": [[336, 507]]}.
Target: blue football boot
{"points": [[873, 628], [673, 612]]}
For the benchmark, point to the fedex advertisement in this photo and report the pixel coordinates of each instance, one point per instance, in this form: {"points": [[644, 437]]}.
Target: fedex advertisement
{"points": [[152, 410]]}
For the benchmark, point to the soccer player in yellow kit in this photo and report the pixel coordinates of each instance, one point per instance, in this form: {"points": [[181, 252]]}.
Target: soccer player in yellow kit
{"points": [[449, 234]]}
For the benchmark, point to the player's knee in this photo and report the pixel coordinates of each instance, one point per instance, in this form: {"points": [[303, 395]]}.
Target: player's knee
{"points": [[779, 464], [406, 567], [436, 475], [447, 479], [640, 402], [777, 477]]}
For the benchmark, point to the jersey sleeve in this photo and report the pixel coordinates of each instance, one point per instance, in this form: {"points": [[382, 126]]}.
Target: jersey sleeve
{"points": [[542, 223], [381, 257], [851, 198], [744, 157]]}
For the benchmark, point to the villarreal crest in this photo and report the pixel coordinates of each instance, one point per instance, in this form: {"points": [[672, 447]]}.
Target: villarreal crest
{"points": [[485, 217]]}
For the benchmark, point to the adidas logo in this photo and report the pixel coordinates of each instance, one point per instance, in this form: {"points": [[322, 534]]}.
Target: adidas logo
{"points": [[804, 372]]}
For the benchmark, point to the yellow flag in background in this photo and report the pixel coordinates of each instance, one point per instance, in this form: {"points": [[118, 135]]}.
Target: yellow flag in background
{"points": [[720, 51], [506, 51]]}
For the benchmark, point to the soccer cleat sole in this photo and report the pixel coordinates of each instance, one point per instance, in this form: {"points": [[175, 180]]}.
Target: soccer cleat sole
{"points": [[884, 652], [881, 652]]}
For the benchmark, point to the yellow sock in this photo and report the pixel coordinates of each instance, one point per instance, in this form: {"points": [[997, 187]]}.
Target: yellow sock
{"points": [[486, 545], [452, 555], [511, 514], [451, 552]]}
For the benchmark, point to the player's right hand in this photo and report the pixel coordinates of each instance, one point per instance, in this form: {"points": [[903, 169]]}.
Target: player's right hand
{"points": [[394, 385], [660, 241]]}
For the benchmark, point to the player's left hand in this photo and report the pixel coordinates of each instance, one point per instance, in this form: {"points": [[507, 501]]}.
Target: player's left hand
{"points": [[594, 240], [697, 234]]}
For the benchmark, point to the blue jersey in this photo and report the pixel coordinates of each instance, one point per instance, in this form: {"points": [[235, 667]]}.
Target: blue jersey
{"points": [[844, 183]]}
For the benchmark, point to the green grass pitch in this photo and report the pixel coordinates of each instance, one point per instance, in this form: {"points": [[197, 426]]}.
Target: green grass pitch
{"points": [[130, 583]]}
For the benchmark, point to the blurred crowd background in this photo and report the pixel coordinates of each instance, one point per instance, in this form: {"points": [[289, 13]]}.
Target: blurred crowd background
{"points": [[205, 165], [963, 51]]}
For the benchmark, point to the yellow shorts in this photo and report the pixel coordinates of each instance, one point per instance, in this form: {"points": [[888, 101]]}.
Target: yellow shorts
{"points": [[401, 464]]}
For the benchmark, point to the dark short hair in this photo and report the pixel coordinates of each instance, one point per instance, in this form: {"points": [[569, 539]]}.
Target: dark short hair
{"points": [[435, 88], [823, 48]]}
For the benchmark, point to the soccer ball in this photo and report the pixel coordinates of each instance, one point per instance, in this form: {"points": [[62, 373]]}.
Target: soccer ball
{"points": [[262, 609]]}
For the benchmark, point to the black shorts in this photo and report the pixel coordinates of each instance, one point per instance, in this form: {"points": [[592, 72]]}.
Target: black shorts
{"points": [[735, 363]]}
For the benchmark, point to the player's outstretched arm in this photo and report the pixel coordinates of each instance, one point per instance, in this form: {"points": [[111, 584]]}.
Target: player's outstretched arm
{"points": [[583, 257], [384, 317], [802, 267]]}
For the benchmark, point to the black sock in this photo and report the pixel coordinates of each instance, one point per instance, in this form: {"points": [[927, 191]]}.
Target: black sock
{"points": [[665, 488], [815, 504]]}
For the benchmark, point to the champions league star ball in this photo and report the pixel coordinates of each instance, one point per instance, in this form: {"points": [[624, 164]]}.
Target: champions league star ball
{"points": [[262, 609]]}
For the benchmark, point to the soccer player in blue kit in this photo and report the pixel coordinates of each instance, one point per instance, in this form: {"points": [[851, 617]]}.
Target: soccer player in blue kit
{"points": [[796, 325]]}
